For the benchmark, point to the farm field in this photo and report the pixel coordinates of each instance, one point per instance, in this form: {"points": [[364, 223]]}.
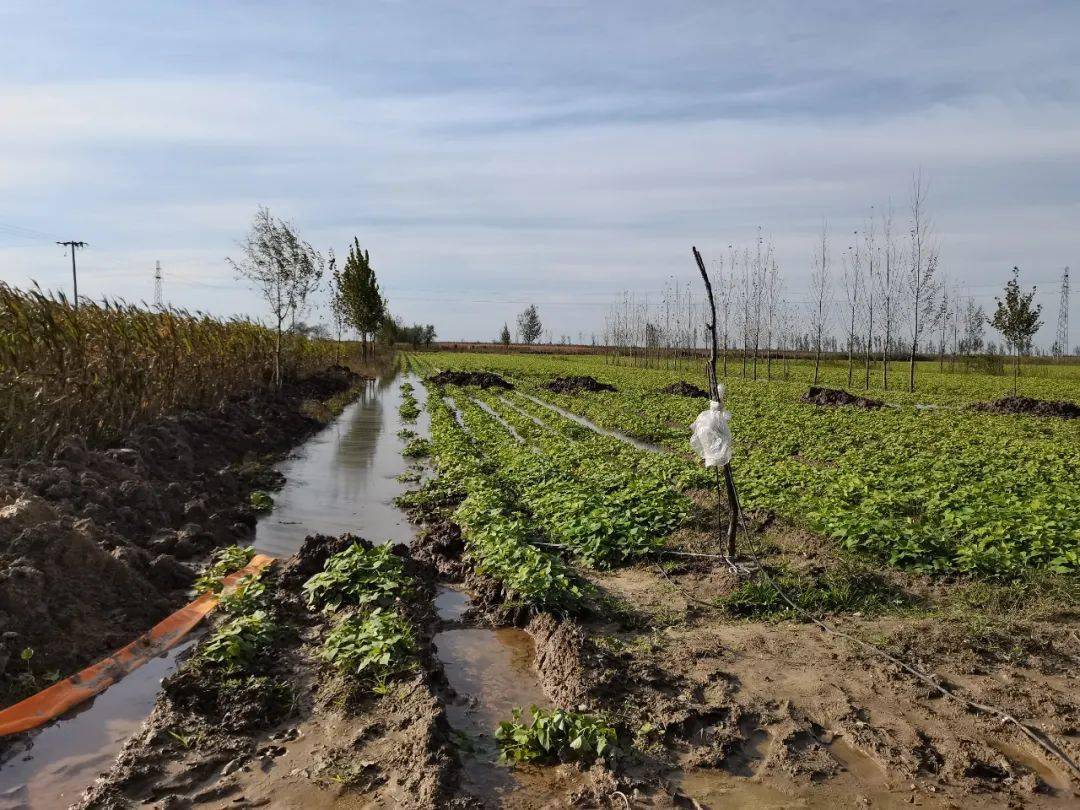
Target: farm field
{"points": [[545, 619], [942, 536]]}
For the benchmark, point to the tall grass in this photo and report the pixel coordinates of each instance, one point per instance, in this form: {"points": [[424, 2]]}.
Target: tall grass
{"points": [[97, 371]]}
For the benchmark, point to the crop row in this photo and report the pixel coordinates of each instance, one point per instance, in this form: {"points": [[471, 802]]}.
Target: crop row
{"points": [[938, 490], [497, 532]]}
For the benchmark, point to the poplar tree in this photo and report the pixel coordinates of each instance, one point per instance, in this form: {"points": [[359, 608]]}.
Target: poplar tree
{"points": [[1017, 319], [362, 303]]}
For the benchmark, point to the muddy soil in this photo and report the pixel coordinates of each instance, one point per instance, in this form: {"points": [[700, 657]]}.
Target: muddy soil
{"points": [[576, 384], [684, 389], [301, 734], [819, 395], [1033, 407], [97, 544], [484, 379], [716, 711]]}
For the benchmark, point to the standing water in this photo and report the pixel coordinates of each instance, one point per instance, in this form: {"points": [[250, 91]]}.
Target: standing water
{"points": [[343, 479]]}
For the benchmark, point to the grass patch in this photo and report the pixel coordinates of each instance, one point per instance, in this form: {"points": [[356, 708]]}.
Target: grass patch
{"points": [[845, 589]]}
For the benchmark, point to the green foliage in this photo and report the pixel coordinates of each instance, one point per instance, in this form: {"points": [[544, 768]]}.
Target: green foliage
{"points": [[504, 335], [409, 409], [224, 562], [554, 734], [247, 596], [1017, 318], [376, 646], [261, 501], [417, 447], [529, 326], [359, 576], [361, 302], [942, 491], [238, 642], [846, 589]]}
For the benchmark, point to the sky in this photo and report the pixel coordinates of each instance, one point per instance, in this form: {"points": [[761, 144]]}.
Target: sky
{"points": [[495, 154]]}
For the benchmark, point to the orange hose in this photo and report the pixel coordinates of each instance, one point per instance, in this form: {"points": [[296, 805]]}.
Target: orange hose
{"points": [[50, 703]]}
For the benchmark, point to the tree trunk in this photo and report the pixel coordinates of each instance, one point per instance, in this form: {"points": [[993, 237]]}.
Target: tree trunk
{"points": [[1016, 369], [851, 350]]}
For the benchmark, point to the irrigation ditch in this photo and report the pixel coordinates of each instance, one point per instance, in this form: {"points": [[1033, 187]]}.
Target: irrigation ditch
{"points": [[384, 683]]}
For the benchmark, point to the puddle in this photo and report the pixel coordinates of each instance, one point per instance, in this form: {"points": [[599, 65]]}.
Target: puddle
{"points": [[451, 604], [491, 674], [53, 767], [535, 419], [715, 789], [581, 420], [1053, 779], [344, 478]]}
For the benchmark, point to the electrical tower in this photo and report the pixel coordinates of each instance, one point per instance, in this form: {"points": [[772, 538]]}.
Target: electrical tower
{"points": [[159, 298], [1061, 344]]}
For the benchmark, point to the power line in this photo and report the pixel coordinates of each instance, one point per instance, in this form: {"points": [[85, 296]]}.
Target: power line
{"points": [[73, 244]]}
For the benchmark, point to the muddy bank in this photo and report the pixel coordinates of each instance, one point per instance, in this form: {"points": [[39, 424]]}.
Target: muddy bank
{"points": [[1032, 407], [819, 395], [290, 729], [98, 544], [484, 379], [577, 384]]}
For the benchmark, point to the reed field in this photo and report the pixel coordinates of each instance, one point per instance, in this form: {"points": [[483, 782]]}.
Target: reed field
{"points": [[98, 370]]}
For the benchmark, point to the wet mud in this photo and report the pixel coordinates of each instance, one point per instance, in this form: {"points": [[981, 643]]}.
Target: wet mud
{"points": [[483, 379], [576, 384], [97, 544]]}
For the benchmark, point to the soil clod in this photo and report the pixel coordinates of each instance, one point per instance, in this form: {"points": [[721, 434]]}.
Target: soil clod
{"points": [[831, 397], [483, 379], [684, 389], [1033, 407], [576, 384]]}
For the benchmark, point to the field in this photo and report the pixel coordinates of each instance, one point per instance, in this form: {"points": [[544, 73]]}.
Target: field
{"points": [[559, 626], [941, 489]]}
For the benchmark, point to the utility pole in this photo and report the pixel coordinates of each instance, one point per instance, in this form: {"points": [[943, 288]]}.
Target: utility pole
{"points": [[73, 244], [159, 299], [1061, 344]]}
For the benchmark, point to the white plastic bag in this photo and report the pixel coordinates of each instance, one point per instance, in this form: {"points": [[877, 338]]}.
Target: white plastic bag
{"points": [[711, 436]]}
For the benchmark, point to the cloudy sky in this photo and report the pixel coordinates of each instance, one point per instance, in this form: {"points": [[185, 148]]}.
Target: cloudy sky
{"points": [[491, 154]]}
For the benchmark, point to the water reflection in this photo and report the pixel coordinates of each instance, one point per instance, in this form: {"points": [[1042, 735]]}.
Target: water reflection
{"points": [[344, 479]]}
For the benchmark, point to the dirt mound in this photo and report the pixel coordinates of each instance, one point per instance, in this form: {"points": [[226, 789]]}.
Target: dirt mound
{"points": [[1033, 407], [819, 395], [574, 385], [91, 541], [684, 389], [483, 379]]}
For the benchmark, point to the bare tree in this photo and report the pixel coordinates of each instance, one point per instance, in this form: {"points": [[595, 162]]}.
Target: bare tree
{"points": [[773, 289], [852, 289], [819, 288], [283, 267], [892, 259], [870, 243], [922, 272]]}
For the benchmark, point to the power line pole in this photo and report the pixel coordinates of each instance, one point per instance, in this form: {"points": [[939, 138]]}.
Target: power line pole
{"points": [[1061, 344], [159, 300], [73, 244]]}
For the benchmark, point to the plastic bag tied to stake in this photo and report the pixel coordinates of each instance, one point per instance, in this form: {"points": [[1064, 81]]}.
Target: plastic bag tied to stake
{"points": [[710, 435]]}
